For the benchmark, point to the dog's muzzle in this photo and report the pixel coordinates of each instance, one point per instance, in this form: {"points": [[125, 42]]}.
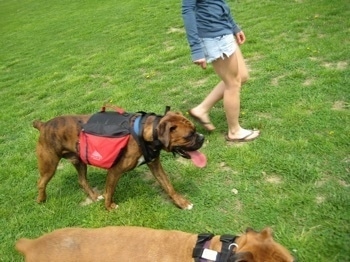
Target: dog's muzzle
{"points": [[184, 151]]}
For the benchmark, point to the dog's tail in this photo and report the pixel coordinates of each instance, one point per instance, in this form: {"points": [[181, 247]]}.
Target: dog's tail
{"points": [[38, 124], [23, 244]]}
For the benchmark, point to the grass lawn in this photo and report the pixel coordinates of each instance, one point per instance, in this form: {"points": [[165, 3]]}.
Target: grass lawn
{"points": [[63, 57]]}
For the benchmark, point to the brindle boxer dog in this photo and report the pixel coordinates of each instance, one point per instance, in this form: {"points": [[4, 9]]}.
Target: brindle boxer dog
{"points": [[59, 137], [149, 245]]}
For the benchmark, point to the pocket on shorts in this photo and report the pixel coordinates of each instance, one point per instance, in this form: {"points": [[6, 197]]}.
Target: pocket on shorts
{"points": [[228, 45]]}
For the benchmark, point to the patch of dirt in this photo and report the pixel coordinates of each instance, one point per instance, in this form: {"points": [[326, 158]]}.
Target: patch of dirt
{"points": [[265, 115], [224, 167], [274, 179], [200, 82], [343, 183], [314, 58], [321, 182], [237, 206], [171, 61], [325, 180], [346, 160], [309, 82], [175, 30], [256, 57], [148, 176], [275, 81], [233, 144], [340, 105], [320, 199], [341, 65], [183, 161], [168, 46]]}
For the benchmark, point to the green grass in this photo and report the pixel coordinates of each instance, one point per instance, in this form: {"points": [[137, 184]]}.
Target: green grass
{"points": [[63, 57]]}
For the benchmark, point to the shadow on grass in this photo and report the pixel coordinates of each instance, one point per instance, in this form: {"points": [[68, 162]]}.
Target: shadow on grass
{"points": [[136, 183]]}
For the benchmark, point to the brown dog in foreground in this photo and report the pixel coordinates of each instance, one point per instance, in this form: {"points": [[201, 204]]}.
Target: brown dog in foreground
{"points": [[146, 245], [59, 138]]}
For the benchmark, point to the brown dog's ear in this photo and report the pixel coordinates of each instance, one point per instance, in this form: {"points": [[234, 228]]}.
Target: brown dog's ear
{"points": [[249, 229], [164, 130], [242, 257], [266, 233]]}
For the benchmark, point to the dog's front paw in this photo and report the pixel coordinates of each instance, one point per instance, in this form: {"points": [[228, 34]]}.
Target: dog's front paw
{"points": [[182, 202], [189, 207], [41, 197], [112, 206]]}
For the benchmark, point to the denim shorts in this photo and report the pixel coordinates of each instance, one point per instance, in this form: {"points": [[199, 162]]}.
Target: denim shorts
{"points": [[218, 47]]}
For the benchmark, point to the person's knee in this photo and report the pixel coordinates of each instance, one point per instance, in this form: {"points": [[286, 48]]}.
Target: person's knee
{"points": [[244, 77]]}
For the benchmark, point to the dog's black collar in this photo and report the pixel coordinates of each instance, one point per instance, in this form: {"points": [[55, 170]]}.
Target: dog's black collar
{"points": [[202, 254]]}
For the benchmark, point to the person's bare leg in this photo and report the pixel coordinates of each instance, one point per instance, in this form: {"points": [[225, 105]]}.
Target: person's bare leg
{"points": [[242, 67], [201, 111], [228, 71]]}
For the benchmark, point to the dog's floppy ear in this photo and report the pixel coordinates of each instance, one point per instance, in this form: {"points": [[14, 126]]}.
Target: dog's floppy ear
{"points": [[164, 130], [249, 229], [266, 233]]}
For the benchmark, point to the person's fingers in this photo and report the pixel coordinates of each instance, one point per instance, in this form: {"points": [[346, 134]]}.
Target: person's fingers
{"points": [[202, 63]]}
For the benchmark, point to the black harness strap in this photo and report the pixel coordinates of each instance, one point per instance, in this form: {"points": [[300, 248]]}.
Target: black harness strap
{"points": [[150, 150], [156, 142], [198, 249], [227, 247]]}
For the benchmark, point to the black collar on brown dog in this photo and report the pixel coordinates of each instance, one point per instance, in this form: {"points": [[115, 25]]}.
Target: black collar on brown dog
{"points": [[201, 253]]}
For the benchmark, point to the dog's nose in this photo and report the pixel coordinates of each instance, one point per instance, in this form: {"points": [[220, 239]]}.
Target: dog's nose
{"points": [[200, 138]]}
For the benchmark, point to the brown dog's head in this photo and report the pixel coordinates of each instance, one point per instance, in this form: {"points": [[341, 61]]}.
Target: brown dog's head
{"points": [[260, 247], [178, 135]]}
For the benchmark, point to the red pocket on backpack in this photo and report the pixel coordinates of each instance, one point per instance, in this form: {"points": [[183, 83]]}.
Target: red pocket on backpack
{"points": [[101, 151]]}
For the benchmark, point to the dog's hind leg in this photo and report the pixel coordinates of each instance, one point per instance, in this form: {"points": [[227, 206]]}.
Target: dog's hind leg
{"points": [[158, 172], [83, 182], [47, 164]]}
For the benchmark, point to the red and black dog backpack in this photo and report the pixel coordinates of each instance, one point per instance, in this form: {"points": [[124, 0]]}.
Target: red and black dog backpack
{"points": [[104, 137]]}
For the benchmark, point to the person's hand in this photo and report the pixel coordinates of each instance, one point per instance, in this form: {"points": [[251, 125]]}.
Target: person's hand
{"points": [[240, 37], [201, 62]]}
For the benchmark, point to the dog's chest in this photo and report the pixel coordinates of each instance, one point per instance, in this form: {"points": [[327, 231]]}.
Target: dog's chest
{"points": [[141, 160]]}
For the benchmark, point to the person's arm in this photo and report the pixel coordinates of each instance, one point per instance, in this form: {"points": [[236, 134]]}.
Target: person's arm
{"points": [[189, 18], [237, 32], [235, 27]]}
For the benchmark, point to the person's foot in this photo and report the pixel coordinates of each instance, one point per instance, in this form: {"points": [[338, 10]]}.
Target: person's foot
{"points": [[203, 120], [243, 136]]}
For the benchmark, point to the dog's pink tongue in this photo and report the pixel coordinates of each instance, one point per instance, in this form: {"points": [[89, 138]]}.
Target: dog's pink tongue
{"points": [[198, 159]]}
